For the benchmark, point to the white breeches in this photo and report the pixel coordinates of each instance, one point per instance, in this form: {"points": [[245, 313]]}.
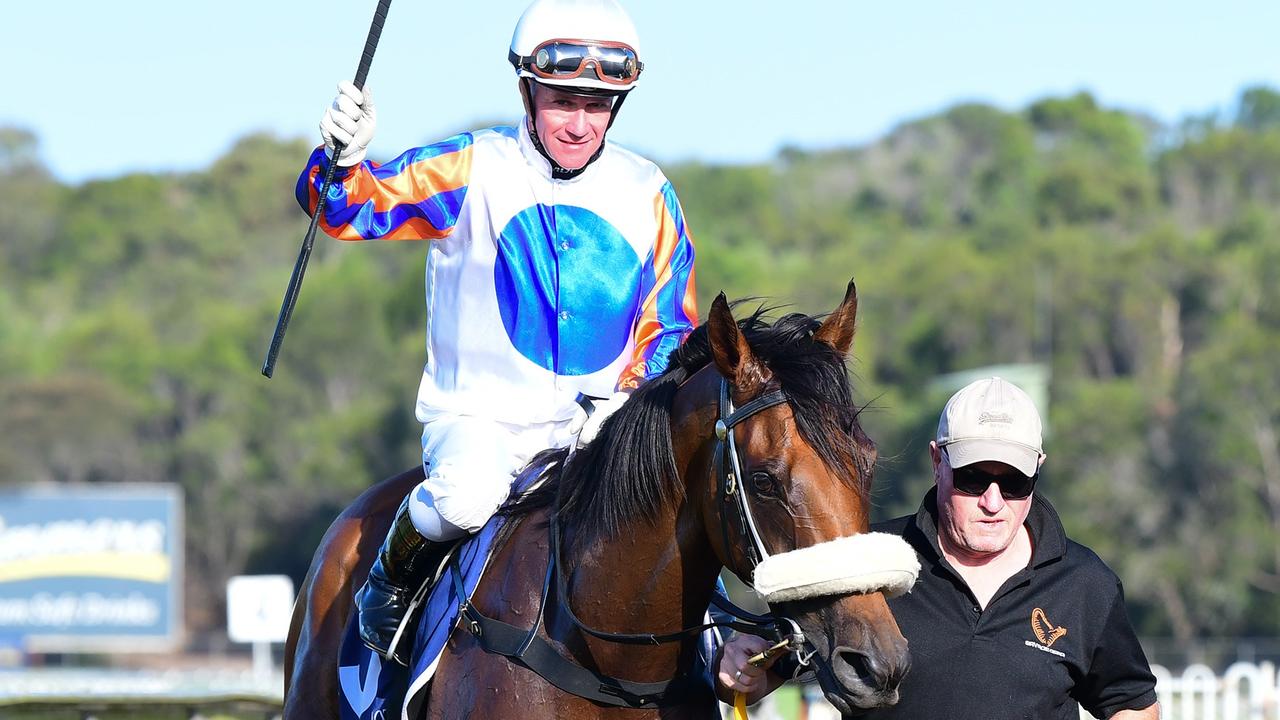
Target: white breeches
{"points": [[470, 463]]}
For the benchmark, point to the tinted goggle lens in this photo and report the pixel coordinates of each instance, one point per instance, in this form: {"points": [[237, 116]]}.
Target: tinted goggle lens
{"points": [[972, 481], [566, 60]]}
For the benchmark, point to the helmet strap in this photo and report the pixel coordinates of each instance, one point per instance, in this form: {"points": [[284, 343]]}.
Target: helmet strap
{"points": [[617, 105]]}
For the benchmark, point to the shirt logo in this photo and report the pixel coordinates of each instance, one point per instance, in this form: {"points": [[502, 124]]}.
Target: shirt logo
{"points": [[1045, 631]]}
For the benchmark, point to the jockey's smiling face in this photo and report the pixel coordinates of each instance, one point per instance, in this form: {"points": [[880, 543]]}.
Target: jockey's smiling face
{"points": [[571, 126]]}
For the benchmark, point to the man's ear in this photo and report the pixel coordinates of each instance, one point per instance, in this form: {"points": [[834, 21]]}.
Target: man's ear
{"points": [[935, 454]]}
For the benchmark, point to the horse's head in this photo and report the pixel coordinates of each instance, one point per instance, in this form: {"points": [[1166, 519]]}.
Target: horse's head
{"points": [[787, 508], [780, 488]]}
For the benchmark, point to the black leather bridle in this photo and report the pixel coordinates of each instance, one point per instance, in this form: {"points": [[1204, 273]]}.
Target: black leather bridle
{"points": [[730, 491]]}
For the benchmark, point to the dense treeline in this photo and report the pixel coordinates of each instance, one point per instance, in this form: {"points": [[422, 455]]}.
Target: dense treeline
{"points": [[1139, 263]]}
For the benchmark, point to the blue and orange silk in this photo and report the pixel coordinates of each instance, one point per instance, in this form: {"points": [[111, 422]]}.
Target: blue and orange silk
{"points": [[537, 289]]}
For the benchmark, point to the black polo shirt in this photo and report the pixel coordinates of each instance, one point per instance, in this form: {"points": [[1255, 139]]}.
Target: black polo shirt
{"points": [[1054, 635]]}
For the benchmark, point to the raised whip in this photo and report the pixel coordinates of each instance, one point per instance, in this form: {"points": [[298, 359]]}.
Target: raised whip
{"points": [[304, 254]]}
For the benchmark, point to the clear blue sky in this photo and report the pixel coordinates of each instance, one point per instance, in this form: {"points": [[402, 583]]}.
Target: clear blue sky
{"points": [[111, 87]]}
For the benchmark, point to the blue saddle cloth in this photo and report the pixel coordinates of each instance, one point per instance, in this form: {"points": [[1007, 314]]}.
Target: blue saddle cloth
{"points": [[376, 689]]}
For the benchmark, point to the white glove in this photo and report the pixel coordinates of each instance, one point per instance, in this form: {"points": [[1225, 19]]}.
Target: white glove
{"points": [[350, 121], [586, 428]]}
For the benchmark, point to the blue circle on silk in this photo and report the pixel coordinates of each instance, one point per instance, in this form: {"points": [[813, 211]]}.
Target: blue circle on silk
{"points": [[567, 284]]}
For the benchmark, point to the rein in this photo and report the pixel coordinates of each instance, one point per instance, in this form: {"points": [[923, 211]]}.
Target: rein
{"points": [[765, 627]]}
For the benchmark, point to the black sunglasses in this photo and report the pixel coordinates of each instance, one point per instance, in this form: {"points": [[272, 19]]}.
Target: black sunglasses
{"points": [[969, 480]]}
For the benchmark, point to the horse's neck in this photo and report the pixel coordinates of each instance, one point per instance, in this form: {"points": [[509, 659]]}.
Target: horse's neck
{"points": [[656, 576], [650, 578]]}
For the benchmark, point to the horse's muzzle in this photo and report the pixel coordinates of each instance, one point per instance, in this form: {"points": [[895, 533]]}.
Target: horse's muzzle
{"points": [[868, 680]]}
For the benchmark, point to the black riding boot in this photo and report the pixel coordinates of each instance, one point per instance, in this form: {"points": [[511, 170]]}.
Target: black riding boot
{"points": [[403, 564]]}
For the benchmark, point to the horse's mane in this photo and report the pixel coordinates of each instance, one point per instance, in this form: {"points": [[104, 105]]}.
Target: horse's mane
{"points": [[629, 470]]}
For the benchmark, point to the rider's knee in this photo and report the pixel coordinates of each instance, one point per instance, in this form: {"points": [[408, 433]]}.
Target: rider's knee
{"points": [[455, 501], [427, 519]]}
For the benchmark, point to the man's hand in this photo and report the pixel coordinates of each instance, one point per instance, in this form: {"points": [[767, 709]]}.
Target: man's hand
{"points": [[736, 674], [350, 121], [587, 427]]}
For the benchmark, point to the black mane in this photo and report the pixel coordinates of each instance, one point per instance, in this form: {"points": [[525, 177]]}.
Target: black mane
{"points": [[628, 472]]}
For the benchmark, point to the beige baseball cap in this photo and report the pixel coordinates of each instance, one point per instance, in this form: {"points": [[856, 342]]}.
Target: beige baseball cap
{"points": [[991, 419]]}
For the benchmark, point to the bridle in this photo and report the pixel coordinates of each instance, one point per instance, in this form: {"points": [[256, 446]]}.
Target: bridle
{"points": [[731, 494]]}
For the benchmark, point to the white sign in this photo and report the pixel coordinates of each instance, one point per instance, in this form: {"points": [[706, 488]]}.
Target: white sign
{"points": [[259, 608]]}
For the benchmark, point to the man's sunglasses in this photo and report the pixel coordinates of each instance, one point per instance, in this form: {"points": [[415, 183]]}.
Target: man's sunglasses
{"points": [[614, 63], [969, 480]]}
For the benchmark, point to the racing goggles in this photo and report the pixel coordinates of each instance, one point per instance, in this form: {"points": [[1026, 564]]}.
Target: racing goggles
{"points": [[614, 62], [969, 480]]}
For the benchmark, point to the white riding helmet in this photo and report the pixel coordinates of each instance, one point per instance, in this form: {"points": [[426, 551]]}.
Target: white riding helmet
{"points": [[585, 45]]}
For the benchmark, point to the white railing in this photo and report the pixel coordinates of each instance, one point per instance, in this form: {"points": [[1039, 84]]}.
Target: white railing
{"points": [[1244, 691]]}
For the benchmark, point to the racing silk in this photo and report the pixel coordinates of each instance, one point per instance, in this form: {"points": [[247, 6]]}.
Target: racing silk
{"points": [[537, 289]]}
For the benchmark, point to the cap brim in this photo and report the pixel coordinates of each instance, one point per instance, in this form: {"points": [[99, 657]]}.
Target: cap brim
{"points": [[967, 452]]}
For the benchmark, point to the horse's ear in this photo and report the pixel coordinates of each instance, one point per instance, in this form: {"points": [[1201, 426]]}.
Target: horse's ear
{"points": [[729, 348], [837, 330]]}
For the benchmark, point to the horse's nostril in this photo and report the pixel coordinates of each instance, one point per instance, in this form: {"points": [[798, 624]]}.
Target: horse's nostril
{"points": [[873, 670], [862, 667]]}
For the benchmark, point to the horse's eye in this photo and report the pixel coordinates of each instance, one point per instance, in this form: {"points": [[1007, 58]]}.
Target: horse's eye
{"points": [[764, 483]]}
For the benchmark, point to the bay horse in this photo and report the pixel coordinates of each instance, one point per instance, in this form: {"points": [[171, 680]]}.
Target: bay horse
{"points": [[643, 535]]}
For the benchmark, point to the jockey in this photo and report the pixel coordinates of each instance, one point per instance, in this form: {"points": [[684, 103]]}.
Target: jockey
{"points": [[560, 265]]}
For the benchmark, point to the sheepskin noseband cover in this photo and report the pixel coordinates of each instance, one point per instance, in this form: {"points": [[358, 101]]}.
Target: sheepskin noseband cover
{"points": [[871, 562]]}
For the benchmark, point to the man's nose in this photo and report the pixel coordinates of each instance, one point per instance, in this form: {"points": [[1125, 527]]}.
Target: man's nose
{"points": [[577, 124], [991, 499]]}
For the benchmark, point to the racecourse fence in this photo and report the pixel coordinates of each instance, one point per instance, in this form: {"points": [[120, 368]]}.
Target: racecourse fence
{"points": [[1244, 691], [103, 694]]}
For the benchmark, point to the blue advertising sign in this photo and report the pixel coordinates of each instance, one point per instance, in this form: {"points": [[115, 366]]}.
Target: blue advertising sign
{"points": [[90, 568]]}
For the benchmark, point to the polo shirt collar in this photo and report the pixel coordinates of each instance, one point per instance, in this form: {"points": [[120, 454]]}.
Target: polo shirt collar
{"points": [[1048, 538]]}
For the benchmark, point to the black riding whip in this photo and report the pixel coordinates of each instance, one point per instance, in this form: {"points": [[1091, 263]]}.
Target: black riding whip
{"points": [[304, 255]]}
